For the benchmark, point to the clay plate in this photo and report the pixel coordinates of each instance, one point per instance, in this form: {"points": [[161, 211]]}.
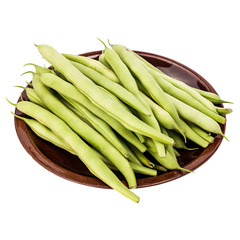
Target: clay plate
{"points": [[71, 168]]}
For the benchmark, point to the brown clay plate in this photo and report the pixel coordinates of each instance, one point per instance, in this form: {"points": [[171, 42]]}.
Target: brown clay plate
{"points": [[71, 168]]}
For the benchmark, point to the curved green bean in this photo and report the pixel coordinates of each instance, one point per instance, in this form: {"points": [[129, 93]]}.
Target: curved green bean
{"points": [[212, 97], [102, 60]]}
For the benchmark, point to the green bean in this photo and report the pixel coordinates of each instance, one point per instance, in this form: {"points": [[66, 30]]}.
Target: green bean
{"points": [[45, 133], [83, 151], [214, 98], [33, 97], [99, 97], [131, 156], [193, 136], [100, 126], [40, 69], [223, 111], [179, 143], [102, 60], [116, 89], [201, 132], [163, 117], [169, 162], [143, 159], [159, 168], [183, 96], [143, 170], [135, 166], [84, 130], [147, 81], [96, 65], [68, 90], [195, 116], [177, 154], [168, 148]]}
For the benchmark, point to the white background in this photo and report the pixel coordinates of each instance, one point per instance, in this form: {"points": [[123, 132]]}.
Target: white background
{"points": [[36, 204]]}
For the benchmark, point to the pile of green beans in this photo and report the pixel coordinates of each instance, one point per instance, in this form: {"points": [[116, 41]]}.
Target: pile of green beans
{"points": [[119, 113]]}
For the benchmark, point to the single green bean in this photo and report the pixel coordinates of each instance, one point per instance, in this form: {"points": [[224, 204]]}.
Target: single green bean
{"points": [[179, 143], [94, 64], [223, 111], [84, 130], [102, 60], [40, 69], [143, 159], [83, 151], [214, 98], [33, 97], [99, 97], [159, 168], [131, 155]]}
